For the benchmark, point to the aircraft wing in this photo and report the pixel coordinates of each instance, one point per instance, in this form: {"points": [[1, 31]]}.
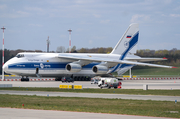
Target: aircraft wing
{"points": [[97, 59], [145, 59]]}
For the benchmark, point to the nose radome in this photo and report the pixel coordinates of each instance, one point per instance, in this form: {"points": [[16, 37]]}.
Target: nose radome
{"points": [[5, 67]]}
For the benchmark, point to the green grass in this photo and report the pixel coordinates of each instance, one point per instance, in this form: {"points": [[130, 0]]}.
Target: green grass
{"points": [[154, 71], [113, 106], [110, 91]]}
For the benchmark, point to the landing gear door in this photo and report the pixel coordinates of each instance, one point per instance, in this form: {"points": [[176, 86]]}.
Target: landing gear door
{"points": [[37, 72]]}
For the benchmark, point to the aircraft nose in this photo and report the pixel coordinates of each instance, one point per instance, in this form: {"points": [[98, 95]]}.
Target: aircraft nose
{"points": [[5, 67]]}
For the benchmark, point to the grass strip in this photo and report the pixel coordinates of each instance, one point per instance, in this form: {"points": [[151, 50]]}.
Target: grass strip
{"points": [[154, 71], [109, 91], [112, 106]]}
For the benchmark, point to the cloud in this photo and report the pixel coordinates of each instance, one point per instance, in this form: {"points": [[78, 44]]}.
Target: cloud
{"points": [[174, 15], [79, 29], [140, 18], [15, 14], [104, 21], [22, 13], [85, 23], [37, 9], [90, 42], [3, 7], [96, 15], [177, 35], [36, 25], [83, 1], [167, 1]]}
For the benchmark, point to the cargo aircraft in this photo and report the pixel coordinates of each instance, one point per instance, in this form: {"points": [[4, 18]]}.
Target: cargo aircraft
{"points": [[81, 66]]}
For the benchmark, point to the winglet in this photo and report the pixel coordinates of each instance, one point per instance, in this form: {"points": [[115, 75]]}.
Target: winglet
{"points": [[165, 58]]}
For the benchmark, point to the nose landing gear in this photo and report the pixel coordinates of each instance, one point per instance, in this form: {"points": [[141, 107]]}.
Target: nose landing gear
{"points": [[24, 79]]}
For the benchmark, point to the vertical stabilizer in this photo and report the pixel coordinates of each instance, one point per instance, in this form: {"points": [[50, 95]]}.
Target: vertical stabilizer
{"points": [[125, 44], [127, 41]]}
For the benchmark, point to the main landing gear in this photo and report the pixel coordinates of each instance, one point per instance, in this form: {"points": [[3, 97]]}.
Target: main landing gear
{"points": [[58, 79], [76, 78], [24, 79], [82, 78]]}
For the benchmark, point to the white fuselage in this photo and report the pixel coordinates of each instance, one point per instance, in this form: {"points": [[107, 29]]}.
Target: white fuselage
{"points": [[50, 65]]}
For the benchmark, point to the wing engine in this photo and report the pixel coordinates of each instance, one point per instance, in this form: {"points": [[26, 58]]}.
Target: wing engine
{"points": [[72, 67], [100, 69]]}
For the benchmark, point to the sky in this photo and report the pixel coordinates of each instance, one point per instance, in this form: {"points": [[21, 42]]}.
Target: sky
{"points": [[94, 23]]}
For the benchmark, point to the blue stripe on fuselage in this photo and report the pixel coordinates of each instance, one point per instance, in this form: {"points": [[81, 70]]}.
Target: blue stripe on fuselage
{"points": [[46, 65]]}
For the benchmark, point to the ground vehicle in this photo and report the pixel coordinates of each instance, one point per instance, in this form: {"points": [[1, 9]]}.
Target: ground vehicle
{"points": [[94, 81], [67, 79], [108, 82]]}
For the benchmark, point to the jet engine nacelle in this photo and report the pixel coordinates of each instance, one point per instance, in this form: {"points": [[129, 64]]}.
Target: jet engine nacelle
{"points": [[71, 67], [99, 69]]}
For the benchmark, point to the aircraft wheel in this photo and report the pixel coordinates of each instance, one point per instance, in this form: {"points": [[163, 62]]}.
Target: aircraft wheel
{"points": [[26, 79], [22, 79], [75, 78]]}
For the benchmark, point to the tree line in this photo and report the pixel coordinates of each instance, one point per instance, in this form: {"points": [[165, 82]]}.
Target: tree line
{"points": [[173, 56]]}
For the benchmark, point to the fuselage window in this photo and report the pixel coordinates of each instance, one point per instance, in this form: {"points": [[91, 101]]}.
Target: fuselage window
{"points": [[19, 55]]}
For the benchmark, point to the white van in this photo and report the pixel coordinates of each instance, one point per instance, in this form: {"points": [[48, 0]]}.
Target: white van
{"points": [[108, 82]]}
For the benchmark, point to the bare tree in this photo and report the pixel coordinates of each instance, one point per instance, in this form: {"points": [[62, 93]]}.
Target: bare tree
{"points": [[73, 49], [60, 49]]}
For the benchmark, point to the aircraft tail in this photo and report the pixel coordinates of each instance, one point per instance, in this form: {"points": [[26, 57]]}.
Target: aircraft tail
{"points": [[127, 42]]}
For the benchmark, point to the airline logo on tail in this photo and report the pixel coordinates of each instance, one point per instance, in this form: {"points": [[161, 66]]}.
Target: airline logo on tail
{"points": [[126, 44]]}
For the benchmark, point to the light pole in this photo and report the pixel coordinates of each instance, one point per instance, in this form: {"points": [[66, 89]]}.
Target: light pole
{"points": [[48, 42], [70, 40], [3, 55]]}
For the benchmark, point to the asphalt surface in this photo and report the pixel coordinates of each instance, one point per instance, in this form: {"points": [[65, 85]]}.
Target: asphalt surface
{"points": [[11, 113], [126, 84]]}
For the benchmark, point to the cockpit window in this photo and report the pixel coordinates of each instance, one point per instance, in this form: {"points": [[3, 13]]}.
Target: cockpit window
{"points": [[19, 55]]}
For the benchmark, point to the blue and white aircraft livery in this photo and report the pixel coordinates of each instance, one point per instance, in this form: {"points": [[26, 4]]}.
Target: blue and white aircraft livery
{"points": [[81, 66]]}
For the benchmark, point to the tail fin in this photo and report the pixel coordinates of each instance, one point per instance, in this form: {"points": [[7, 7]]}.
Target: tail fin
{"points": [[127, 41]]}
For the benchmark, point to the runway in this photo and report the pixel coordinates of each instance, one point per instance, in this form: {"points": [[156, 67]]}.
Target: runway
{"points": [[126, 84], [94, 95], [11, 113]]}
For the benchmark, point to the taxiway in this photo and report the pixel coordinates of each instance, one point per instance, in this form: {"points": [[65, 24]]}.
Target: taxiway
{"points": [[12, 113]]}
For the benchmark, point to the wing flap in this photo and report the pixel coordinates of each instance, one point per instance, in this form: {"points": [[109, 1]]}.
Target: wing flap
{"points": [[145, 59]]}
